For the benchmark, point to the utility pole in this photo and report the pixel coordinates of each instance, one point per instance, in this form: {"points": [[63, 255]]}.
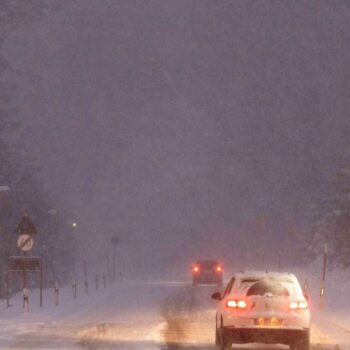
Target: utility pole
{"points": [[323, 281]]}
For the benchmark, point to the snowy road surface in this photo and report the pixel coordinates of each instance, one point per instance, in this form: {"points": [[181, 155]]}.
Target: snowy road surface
{"points": [[145, 316]]}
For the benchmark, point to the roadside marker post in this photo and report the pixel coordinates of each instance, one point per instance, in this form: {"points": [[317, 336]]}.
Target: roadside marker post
{"points": [[97, 282], [74, 287], [323, 281], [56, 294], [104, 280], [41, 285], [115, 242], [25, 300], [108, 268], [8, 288], [86, 284]]}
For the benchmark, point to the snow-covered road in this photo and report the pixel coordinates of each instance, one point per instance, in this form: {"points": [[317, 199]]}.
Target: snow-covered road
{"points": [[133, 315]]}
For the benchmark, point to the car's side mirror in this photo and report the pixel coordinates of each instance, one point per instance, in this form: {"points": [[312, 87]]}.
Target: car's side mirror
{"points": [[216, 296]]}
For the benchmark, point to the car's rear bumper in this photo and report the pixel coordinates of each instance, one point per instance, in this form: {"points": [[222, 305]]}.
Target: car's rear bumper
{"points": [[208, 279], [265, 335], [242, 319]]}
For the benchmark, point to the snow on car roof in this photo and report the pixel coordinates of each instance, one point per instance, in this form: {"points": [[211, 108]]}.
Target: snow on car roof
{"points": [[207, 262], [262, 274], [251, 276]]}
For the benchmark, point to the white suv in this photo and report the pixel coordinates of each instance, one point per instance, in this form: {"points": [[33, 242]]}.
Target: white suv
{"points": [[263, 307]]}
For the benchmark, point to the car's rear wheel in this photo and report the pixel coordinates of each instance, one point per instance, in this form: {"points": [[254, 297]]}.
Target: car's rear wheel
{"points": [[303, 343], [222, 338], [217, 338]]}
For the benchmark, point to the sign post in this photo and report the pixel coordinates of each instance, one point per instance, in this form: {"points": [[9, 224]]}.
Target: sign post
{"points": [[24, 264], [25, 242]]}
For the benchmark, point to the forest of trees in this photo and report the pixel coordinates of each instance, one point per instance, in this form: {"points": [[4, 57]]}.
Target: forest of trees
{"points": [[54, 241], [330, 220], [254, 171]]}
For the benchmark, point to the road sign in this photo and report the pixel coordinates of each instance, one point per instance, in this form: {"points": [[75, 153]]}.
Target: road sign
{"points": [[26, 226], [25, 243], [24, 263]]}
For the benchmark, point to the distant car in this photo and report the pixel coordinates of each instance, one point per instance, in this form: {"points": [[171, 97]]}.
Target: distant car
{"points": [[263, 307], [207, 272]]}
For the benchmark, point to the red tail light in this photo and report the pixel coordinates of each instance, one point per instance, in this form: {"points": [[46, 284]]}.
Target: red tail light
{"points": [[218, 269], [298, 305], [236, 304], [195, 269]]}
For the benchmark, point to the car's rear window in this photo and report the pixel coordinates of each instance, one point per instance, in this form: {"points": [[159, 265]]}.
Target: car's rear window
{"points": [[268, 286], [208, 264]]}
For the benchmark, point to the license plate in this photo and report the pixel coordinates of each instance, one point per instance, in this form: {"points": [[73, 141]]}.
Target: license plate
{"points": [[268, 322]]}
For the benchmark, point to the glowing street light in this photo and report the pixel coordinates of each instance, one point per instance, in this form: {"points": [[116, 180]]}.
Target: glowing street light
{"points": [[74, 224]]}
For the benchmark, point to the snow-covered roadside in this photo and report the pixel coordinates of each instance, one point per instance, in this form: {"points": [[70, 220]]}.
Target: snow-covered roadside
{"points": [[131, 315], [341, 320], [64, 321], [332, 316], [123, 313]]}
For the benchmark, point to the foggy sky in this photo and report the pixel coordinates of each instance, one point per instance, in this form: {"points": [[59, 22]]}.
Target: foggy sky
{"points": [[187, 127]]}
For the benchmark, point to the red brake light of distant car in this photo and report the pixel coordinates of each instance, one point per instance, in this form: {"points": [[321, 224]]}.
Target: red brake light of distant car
{"points": [[298, 305], [236, 304], [195, 269], [219, 269]]}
